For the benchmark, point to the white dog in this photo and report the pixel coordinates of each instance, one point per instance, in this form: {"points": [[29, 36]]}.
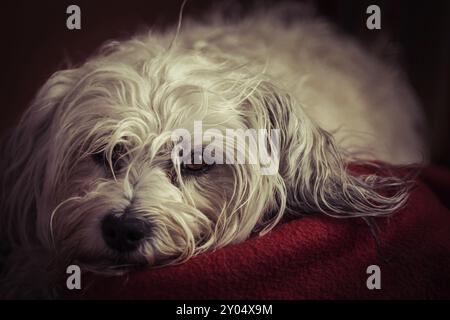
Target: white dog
{"points": [[88, 176]]}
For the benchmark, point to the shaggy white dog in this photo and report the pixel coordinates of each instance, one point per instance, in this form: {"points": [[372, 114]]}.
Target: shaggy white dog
{"points": [[88, 176]]}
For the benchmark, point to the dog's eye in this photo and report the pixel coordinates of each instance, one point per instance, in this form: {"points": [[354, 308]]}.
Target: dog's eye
{"points": [[99, 158], [117, 158], [196, 166]]}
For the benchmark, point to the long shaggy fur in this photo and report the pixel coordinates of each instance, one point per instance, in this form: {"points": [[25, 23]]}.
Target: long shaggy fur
{"points": [[332, 101]]}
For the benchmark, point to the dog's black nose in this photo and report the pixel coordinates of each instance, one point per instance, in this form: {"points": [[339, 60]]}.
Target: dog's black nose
{"points": [[124, 232]]}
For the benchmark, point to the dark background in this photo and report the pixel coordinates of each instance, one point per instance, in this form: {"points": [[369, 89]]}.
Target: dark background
{"points": [[36, 42]]}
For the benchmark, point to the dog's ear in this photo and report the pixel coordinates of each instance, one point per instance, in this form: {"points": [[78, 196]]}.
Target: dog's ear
{"points": [[25, 153], [313, 168], [318, 179]]}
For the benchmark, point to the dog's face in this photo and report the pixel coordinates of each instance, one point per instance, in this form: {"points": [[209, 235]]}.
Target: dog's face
{"points": [[112, 193]]}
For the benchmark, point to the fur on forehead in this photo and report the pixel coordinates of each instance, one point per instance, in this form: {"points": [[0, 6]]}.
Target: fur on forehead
{"points": [[146, 93]]}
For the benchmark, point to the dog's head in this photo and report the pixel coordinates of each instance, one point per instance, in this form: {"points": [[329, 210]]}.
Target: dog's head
{"points": [[97, 178], [92, 174]]}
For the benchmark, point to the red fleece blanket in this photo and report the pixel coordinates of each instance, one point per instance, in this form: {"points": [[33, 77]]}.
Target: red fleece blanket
{"points": [[315, 257]]}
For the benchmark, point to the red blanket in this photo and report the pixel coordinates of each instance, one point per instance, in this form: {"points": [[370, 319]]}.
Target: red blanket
{"points": [[315, 257]]}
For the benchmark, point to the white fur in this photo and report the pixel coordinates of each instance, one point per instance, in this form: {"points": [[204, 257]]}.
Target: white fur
{"points": [[303, 78]]}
